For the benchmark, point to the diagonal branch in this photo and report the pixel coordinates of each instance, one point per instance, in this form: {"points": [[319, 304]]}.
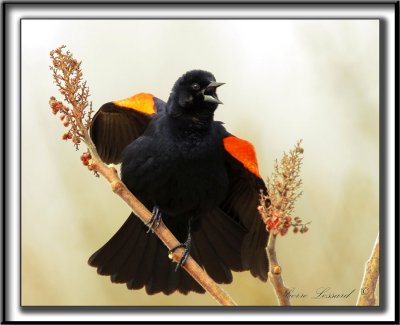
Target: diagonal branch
{"points": [[162, 232], [67, 75], [366, 296]]}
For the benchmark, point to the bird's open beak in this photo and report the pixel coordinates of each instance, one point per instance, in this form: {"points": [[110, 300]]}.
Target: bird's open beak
{"points": [[211, 90]]}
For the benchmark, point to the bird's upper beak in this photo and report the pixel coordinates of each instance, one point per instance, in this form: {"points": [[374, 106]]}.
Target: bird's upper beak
{"points": [[211, 90]]}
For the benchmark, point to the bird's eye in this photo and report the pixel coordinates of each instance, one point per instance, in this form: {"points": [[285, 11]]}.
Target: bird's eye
{"points": [[195, 86]]}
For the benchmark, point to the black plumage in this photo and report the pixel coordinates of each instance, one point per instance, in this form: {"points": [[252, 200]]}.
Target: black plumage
{"points": [[181, 164]]}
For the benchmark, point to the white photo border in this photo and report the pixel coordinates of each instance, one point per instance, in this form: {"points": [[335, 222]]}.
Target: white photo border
{"points": [[13, 12]]}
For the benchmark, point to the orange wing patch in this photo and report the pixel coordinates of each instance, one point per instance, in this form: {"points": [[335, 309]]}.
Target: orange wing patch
{"points": [[243, 151], [140, 102]]}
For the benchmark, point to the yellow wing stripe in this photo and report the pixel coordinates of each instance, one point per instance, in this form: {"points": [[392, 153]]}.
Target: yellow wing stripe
{"points": [[142, 102]]}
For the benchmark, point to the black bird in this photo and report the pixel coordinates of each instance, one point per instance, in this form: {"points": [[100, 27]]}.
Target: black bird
{"points": [[186, 168]]}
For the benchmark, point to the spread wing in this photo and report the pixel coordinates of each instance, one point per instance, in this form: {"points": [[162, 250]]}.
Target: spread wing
{"points": [[242, 202], [118, 123]]}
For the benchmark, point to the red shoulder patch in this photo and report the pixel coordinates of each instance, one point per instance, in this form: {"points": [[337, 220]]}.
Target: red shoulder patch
{"points": [[243, 151], [142, 102]]}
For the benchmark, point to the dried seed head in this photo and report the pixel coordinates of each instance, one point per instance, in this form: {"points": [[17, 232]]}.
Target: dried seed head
{"points": [[284, 188], [86, 155], [283, 231]]}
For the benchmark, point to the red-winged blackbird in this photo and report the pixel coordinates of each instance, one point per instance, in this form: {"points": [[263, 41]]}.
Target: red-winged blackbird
{"points": [[187, 169]]}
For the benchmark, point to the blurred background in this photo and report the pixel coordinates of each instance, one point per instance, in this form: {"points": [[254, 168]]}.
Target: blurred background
{"points": [[286, 80]]}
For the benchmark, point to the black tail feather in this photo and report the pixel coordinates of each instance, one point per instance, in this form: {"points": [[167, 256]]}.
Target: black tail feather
{"points": [[145, 268], [140, 259], [213, 265], [226, 236], [159, 281], [116, 244]]}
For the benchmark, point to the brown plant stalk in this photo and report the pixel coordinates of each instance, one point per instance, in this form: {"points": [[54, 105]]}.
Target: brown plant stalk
{"points": [[366, 296], [276, 210], [274, 273], [67, 75]]}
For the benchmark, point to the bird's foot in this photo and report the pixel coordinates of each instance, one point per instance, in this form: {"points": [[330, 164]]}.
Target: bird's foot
{"points": [[186, 253], [155, 219]]}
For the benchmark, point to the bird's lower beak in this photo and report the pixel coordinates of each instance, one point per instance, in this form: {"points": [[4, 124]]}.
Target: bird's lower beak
{"points": [[210, 94]]}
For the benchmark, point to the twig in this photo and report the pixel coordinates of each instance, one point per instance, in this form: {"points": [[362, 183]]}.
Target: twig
{"points": [[67, 75], [366, 296], [276, 209], [274, 274]]}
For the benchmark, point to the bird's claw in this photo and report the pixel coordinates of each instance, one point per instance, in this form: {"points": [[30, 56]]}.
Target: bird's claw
{"points": [[155, 220], [185, 255]]}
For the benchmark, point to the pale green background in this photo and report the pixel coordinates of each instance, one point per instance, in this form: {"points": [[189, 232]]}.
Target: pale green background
{"points": [[285, 80]]}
